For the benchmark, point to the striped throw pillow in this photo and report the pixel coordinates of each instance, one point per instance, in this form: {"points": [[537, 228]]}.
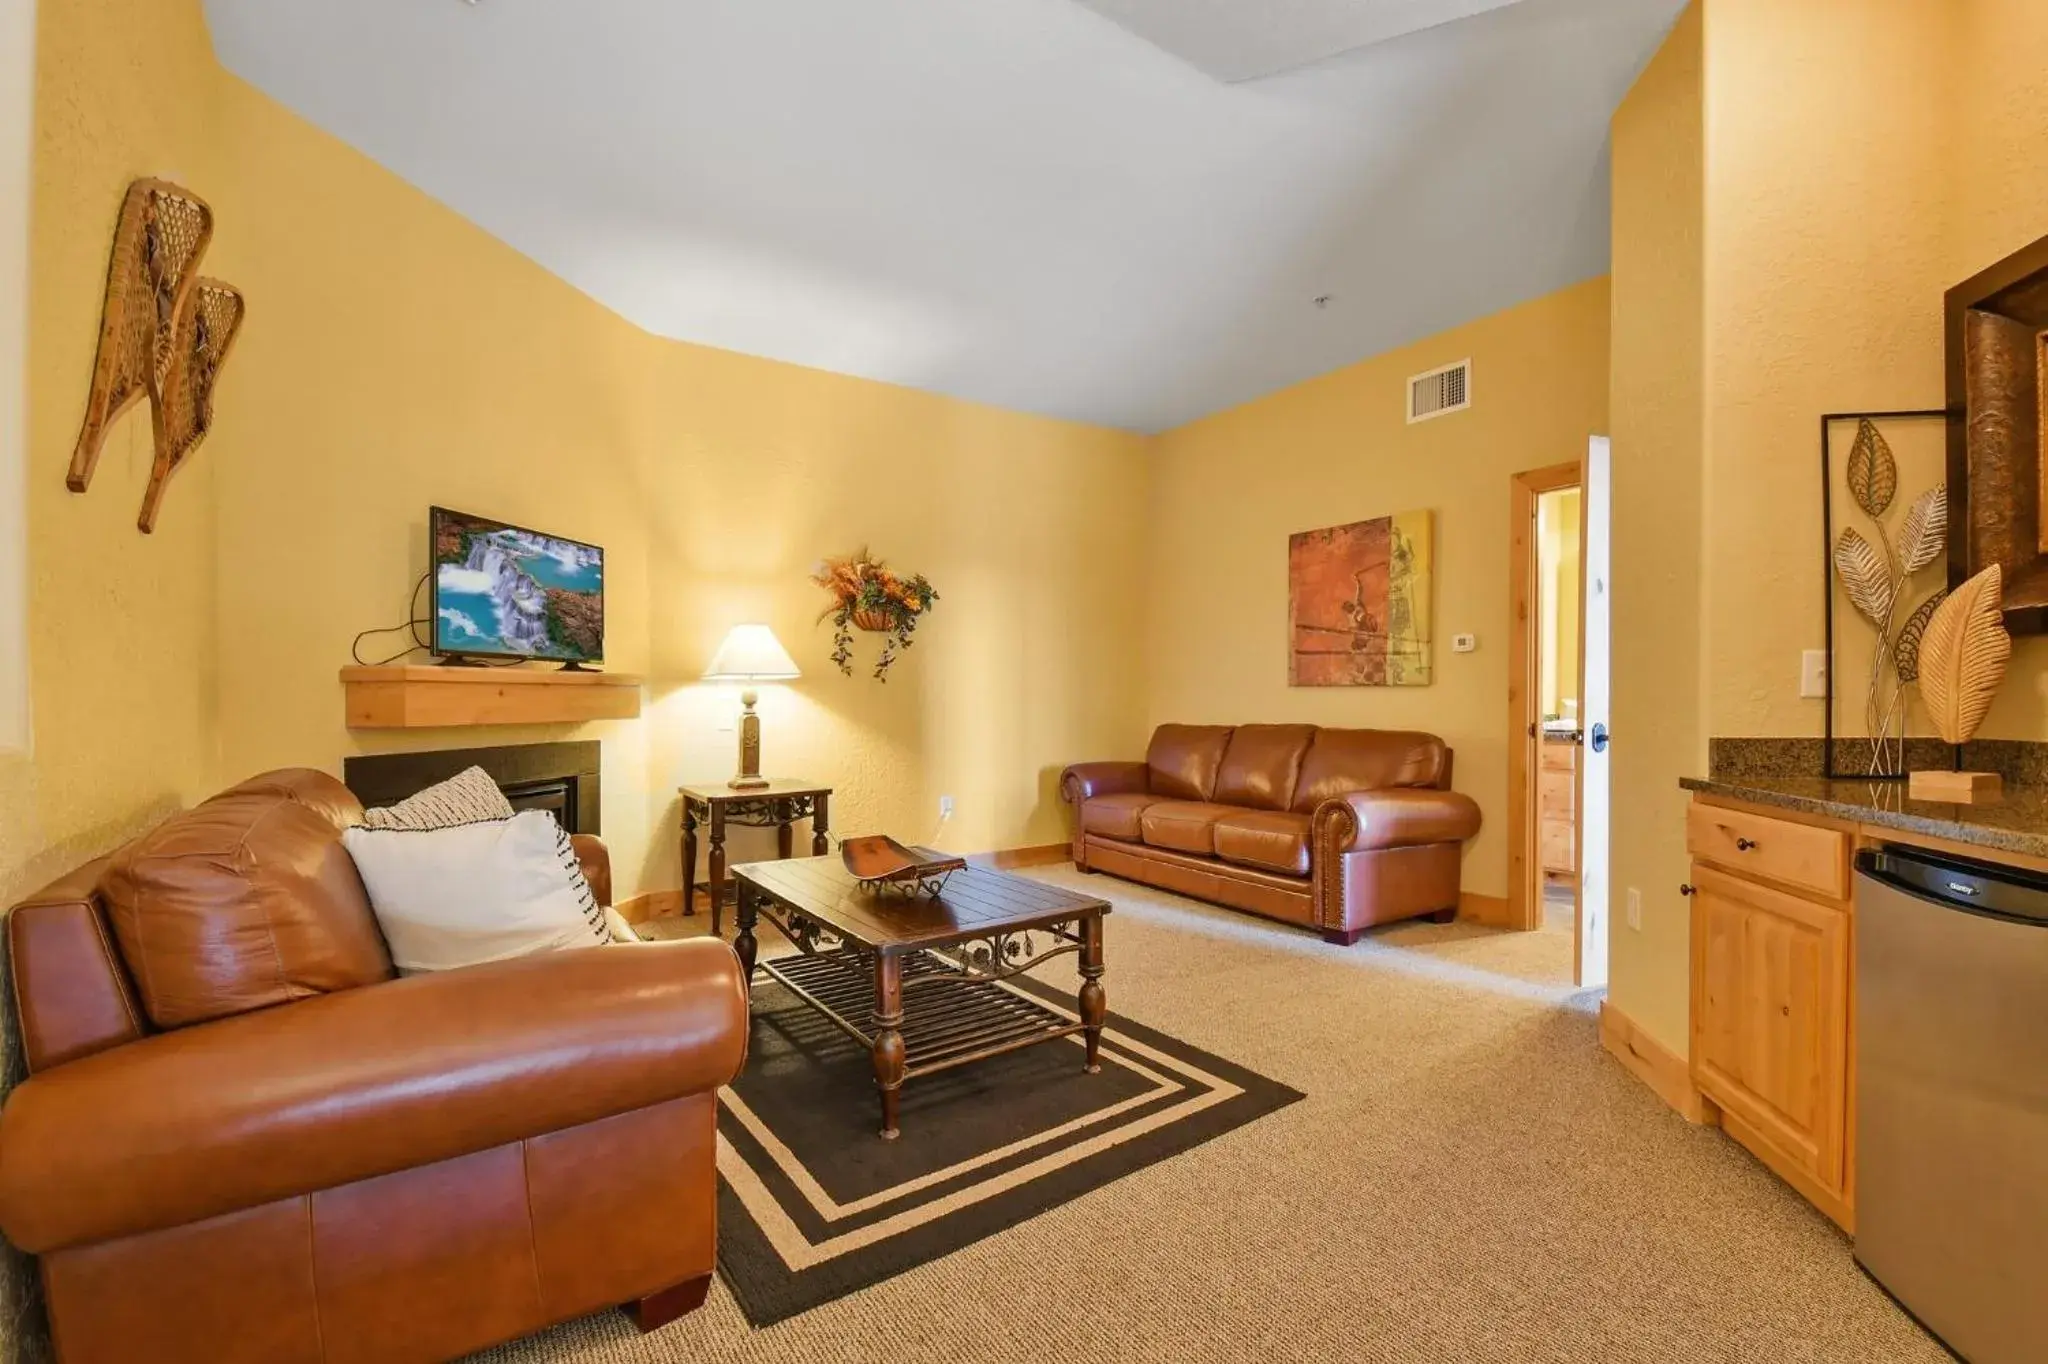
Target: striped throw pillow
{"points": [[468, 797]]}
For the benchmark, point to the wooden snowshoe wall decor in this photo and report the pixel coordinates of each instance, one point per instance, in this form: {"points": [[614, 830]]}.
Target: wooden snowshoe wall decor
{"points": [[164, 335]]}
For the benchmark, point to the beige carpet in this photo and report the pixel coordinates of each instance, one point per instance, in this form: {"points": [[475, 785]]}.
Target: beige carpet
{"points": [[1470, 1179]]}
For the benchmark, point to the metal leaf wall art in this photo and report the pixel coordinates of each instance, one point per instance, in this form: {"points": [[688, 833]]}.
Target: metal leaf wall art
{"points": [[164, 334], [1876, 573], [1963, 656]]}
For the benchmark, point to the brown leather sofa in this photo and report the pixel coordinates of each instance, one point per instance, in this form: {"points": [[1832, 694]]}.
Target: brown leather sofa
{"points": [[244, 1142], [1337, 829]]}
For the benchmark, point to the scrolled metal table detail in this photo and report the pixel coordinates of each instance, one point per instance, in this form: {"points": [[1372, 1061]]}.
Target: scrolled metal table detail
{"points": [[966, 1009]]}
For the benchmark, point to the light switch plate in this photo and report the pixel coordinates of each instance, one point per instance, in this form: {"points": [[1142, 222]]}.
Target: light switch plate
{"points": [[1464, 644], [1813, 673], [1635, 909]]}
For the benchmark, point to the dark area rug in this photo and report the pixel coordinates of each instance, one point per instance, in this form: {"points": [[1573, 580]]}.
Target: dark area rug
{"points": [[813, 1204]]}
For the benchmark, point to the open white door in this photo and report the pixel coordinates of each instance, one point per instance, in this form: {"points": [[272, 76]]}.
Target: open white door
{"points": [[1595, 709]]}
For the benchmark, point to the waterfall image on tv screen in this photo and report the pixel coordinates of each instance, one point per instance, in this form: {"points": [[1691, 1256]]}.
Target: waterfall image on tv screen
{"points": [[505, 591]]}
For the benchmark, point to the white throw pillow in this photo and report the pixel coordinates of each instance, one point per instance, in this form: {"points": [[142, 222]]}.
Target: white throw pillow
{"points": [[474, 893]]}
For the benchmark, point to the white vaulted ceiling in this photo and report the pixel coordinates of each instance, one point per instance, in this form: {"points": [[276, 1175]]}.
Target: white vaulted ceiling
{"points": [[1105, 210], [1241, 40]]}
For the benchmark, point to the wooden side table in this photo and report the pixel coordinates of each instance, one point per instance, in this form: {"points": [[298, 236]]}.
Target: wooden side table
{"points": [[778, 805]]}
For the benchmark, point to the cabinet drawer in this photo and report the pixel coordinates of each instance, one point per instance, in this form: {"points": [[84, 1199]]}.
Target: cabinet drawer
{"points": [[1558, 756], [1803, 855], [1556, 793]]}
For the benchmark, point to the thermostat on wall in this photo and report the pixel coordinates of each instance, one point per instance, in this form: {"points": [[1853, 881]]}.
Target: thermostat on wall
{"points": [[1464, 644]]}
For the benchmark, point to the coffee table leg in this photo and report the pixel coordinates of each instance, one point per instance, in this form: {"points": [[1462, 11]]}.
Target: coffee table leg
{"points": [[888, 1054], [745, 911], [821, 825], [1094, 999]]}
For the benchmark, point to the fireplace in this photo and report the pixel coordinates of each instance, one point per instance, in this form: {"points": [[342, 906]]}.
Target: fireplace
{"points": [[562, 778]]}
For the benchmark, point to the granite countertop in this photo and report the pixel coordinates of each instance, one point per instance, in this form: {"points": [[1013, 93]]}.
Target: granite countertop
{"points": [[2015, 823]]}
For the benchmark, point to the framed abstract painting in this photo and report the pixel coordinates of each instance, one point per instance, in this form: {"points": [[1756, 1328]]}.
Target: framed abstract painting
{"points": [[1358, 603]]}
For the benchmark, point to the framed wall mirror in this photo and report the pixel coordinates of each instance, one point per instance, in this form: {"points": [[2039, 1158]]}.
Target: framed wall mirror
{"points": [[1997, 328]]}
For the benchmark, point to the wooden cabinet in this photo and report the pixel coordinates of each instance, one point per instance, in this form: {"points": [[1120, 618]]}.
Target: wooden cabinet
{"points": [[1770, 1031], [1773, 1045], [1772, 974], [1557, 799]]}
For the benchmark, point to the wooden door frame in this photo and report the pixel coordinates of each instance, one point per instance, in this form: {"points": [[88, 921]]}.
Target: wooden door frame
{"points": [[1525, 906]]}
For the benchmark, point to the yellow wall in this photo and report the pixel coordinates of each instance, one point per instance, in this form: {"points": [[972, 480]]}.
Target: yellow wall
{"points": [[1227, 491], [1795, 188], [396, 356], [1824, 279], [1657, 597], [121, 625]]}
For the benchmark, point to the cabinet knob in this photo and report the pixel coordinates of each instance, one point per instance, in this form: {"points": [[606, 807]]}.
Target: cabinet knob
{"points": [[1744, 844], [1687, 890]]}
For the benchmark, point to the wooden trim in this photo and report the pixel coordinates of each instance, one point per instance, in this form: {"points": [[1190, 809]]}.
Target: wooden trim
{"points": [[1041, 855], [655, 904], [1668, 1074], [416, 697], [1525, 899], [1490, 910]]}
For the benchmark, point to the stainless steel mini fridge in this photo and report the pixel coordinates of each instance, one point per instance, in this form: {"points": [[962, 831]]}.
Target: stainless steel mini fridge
{"points": [[1952, 1097]]}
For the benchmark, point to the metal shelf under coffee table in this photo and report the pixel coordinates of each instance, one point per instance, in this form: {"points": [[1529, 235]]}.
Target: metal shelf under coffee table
{"points": [[927, 970]]}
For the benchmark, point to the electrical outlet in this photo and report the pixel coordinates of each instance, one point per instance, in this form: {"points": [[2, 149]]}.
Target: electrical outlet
{"points": [[1635, 909], [945, 807], [1813, 673], [1464, 644]]}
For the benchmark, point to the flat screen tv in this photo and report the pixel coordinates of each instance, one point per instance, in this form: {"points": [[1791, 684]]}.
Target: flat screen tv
{"points": [[502, 591]]}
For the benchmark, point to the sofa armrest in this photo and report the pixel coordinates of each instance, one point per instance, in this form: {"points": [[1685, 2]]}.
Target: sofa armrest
{"points": [[596, 861], [1084, 781], [1396, 817], [306, 1096]]}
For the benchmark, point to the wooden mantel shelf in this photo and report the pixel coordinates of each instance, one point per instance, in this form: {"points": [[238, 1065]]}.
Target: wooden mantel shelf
{"points": [[436, 697]]}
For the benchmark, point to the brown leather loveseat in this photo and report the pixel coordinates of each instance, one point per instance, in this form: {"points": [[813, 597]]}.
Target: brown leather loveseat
{"points": [[244, 1142], [1338, 829]]}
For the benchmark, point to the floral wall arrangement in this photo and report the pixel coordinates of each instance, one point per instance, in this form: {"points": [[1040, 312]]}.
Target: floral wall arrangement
{"points": [[868, 595]]}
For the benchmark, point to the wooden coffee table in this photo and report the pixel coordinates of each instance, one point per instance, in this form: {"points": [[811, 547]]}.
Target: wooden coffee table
{"points": [[927, 971]]}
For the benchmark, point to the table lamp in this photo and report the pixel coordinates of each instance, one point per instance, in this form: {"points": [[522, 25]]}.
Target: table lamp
{"points": [[751, 653]]}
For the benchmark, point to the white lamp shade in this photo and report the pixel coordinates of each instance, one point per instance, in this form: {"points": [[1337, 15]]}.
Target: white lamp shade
{"points": [[751, 653]]}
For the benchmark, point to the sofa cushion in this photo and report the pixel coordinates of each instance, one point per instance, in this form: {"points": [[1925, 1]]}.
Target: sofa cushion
{"points": [[1270, 840], [1183, 825], [1116, 816], [1184, 759], [243, 902], [1345, 760], [1260, 766]]}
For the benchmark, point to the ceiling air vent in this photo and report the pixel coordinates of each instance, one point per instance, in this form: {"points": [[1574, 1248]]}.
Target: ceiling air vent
{"points": [[1440, 392]]}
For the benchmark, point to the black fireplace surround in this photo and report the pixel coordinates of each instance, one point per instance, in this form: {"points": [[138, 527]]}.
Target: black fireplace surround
{"points": [[560, 777]]}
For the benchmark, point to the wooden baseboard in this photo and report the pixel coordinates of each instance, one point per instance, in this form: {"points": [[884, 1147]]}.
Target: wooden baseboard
{"points": [[1474, 908], [1008, 859], [655, 904], [1665, 1072]]}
